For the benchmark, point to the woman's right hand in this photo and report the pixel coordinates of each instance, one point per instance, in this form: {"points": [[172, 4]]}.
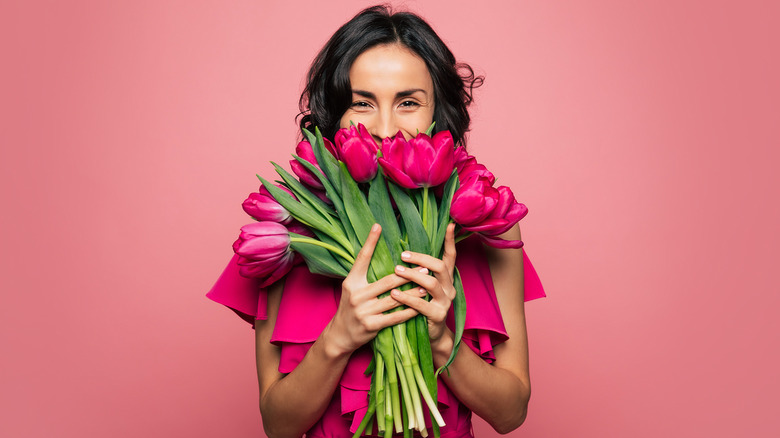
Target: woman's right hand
{"points": [[360, 314]]}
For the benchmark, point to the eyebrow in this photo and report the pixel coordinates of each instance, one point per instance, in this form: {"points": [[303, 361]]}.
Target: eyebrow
{"points": [[405, 93]]}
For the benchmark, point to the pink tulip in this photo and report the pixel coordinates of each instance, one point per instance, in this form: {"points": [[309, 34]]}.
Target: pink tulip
{"points": [[264, 251], [504, 216], [305, 151], [467, 164], [473, 202], [357, 149], [421, 162], [462, 157], [263, 207]]}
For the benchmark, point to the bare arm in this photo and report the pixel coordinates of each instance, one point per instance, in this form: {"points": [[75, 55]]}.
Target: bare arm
{"points": [[290, 404], [497, 392]]}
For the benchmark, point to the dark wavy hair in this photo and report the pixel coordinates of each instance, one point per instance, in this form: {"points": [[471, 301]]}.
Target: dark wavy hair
{"points": [[328, 93]]}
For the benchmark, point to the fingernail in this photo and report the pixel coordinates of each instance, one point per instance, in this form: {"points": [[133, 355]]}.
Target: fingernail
{"points": [[395, 293], [424, 270], [375, 227], [405, 255], [422, 291], [400, 268]]}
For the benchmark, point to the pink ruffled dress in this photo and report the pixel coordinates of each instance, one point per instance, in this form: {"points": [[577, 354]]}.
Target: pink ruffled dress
{"points": [[309, 302]]}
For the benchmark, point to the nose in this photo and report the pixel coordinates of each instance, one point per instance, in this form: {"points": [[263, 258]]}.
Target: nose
{"points": [[384, 126]]}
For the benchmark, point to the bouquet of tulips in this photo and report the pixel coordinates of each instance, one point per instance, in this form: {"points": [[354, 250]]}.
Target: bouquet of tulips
{"points": [[414, 189]]}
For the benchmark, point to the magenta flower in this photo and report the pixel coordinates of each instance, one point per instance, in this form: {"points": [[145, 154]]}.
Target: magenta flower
{"points": [[263, 207], [421, 162], [264, 251], [357, 149], [473, 202], [467, 164], [487, 211], [305, 151], [504, 216]]}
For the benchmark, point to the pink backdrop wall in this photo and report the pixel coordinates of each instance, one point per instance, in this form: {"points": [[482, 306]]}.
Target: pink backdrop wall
{"points": [[642, 135]]}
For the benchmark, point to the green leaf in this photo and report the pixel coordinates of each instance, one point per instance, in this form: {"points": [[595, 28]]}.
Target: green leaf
{"points": [[326, 160], [415, 231], [297, 210], [382, 208], [335, 196], [362, 219], [330, 190], [303, 193], [318, 259], [324, 238], [444, 212], [433, 217], [430, 129], [425, 359], [305, 214], [459, 305]]}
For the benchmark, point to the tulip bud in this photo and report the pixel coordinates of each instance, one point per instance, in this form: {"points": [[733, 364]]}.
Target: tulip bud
{"points": [[357, 149], [264, 251], [421, 162], [467, 164], [263, 207], [473, 201], [305, 151], [504, 216]]}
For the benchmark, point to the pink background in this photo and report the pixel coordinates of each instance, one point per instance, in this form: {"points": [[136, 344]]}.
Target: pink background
{"points": [[642, 135]]}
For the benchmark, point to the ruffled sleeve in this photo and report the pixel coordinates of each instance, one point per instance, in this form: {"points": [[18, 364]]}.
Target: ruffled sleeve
{"points": [[484, 326], [243, 295]]}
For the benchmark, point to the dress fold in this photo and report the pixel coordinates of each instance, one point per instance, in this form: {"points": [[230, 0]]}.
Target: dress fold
{"points": [[309, 302]]}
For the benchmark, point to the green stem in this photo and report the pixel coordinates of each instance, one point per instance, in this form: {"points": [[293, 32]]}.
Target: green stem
{"points": [[366, 420], [384, 343], [427, 396], [463, 237], [388, 416], [379, 380], [425, 207], [409, 362], [327, 246], [406, 393]]}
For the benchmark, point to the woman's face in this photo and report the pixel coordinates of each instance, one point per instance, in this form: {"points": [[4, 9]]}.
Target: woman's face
{"points": [[392, 90]]}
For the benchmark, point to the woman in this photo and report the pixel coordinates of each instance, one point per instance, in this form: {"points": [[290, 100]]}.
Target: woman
{"points": [[393, 74]]}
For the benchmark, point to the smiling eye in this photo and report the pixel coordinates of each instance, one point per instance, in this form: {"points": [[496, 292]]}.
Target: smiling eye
{"points": [[409, 103], [360, 105]]}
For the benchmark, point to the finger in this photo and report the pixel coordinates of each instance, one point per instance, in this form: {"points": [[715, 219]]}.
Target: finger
{"points": [[433, 311], [382, 305], [449, 248], [432, 284], [425, 260], [363, 259], [388, 282], [441, 270], [393, 318]]}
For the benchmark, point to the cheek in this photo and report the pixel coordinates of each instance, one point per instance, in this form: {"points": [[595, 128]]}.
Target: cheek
{"points": [[352, 117], [420, 122]]}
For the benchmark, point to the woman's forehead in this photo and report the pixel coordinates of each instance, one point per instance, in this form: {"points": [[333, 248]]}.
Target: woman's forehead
{"points": [[390, 67]]}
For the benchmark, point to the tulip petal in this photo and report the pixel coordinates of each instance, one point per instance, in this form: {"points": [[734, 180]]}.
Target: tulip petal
{"points": [[468, 207], [304, 175], [396, 175], [487, 225]]}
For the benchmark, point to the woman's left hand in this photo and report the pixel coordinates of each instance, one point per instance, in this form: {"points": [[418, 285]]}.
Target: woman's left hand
{"points": [[440, 286]]}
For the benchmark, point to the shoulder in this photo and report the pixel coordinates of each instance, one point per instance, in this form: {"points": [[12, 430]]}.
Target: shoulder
{"points": [[506, 264]]}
